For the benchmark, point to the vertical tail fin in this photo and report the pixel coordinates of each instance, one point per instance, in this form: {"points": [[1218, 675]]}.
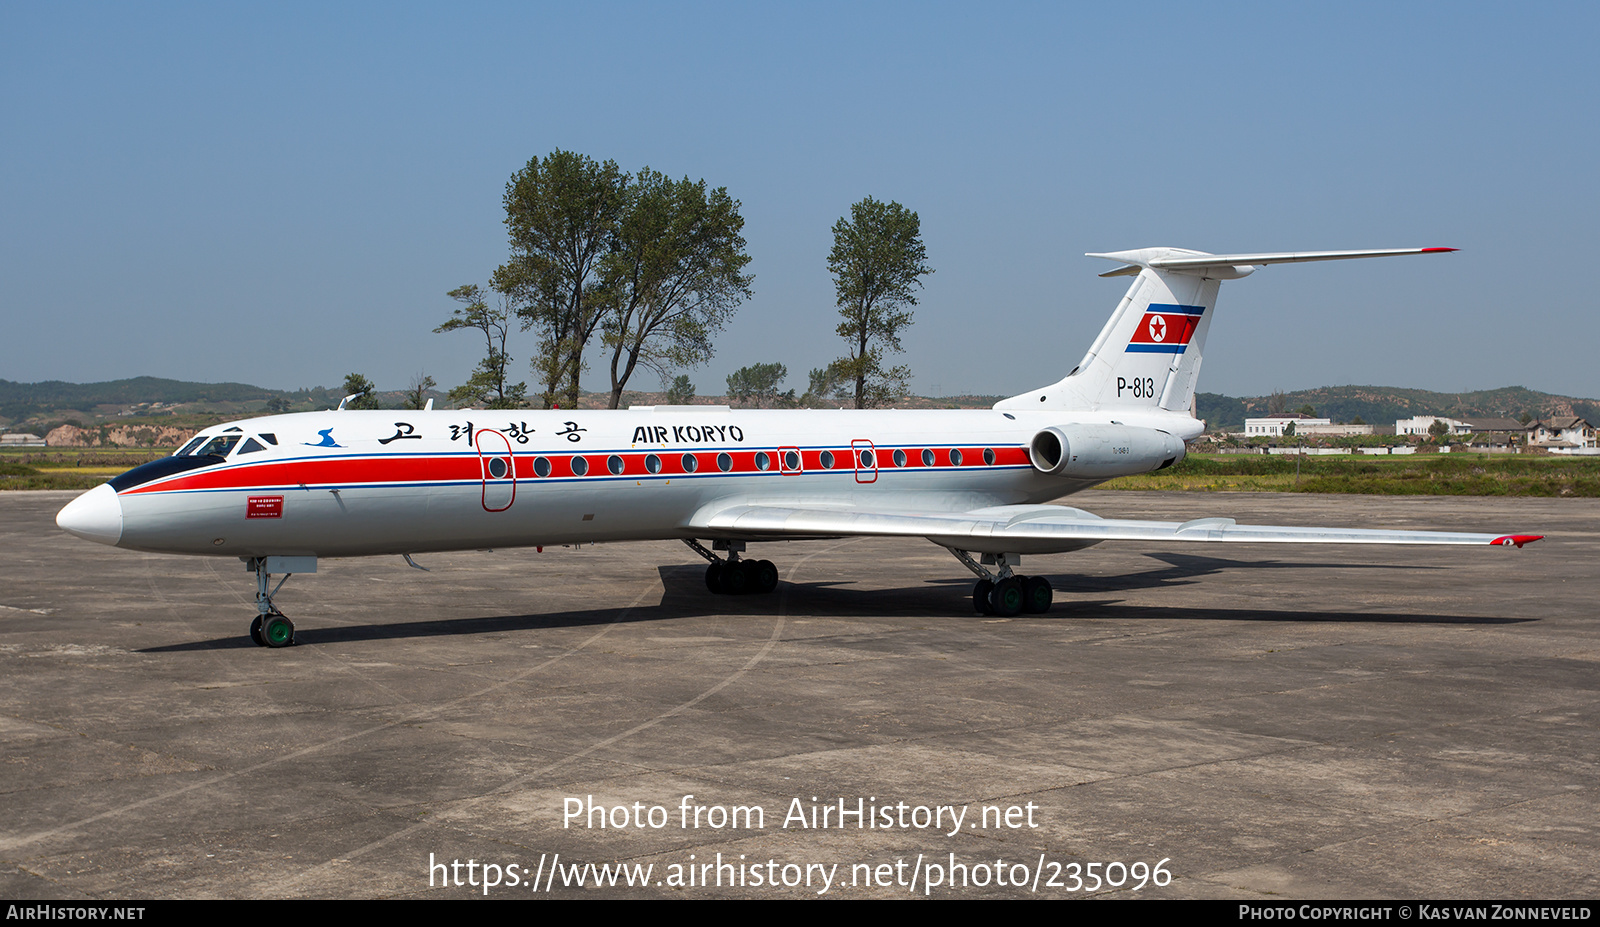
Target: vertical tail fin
{"points": [[1147, 357]]}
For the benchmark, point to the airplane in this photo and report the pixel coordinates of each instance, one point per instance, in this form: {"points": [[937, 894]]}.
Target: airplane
{"points": [[282, 491]]}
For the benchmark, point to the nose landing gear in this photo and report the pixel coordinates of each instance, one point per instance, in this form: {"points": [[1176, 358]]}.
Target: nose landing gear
{"points": [[272, 628]]}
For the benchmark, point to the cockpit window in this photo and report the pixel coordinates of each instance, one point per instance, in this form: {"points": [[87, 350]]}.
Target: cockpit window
{"points": [[250, 446], [219, 446], [156, 469], [188, 449], [270, 438]]}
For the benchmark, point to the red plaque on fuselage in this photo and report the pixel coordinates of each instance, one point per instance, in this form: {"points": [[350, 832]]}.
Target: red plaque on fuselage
{"points": [[264, 507]]}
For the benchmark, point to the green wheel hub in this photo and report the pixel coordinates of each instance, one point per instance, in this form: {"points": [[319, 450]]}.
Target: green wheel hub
{"points": [[277, 631]]}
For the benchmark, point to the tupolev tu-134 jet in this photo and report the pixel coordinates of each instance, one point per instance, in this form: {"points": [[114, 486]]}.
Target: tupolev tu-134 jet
{"points": [[279, 492]]}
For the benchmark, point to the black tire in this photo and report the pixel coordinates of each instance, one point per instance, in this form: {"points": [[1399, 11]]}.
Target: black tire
{"points": [[1036, 595], [1006, 599], [735, 578], [766, 577], [277, 631], [255, 632], [752, 575], [980, 597], [714, 577]]}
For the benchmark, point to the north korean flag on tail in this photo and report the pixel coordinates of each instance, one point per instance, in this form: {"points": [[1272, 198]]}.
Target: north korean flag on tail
{"points": [[1165, 329]]}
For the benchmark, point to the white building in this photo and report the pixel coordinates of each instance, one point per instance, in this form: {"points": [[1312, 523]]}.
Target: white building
{"points": [[1564, 434], [1419, 425], [1338, 431], [1274, 425]]}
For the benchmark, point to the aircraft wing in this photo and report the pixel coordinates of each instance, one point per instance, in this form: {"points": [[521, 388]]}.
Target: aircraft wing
{"points": [[1037, 528]]}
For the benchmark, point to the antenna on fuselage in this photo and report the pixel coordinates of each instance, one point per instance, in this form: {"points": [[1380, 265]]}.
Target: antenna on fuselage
{"points": [[347, 399]]}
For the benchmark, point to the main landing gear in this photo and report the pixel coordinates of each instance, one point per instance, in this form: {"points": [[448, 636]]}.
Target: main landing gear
{"points": [[272, 628], [1005, 593], [734, 576]]}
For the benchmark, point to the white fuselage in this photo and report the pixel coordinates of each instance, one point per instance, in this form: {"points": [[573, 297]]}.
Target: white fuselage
{"points": [[351, 483]]}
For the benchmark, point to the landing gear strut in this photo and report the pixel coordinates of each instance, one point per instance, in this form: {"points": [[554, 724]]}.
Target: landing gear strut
{"points": [[271, 628], [1005, 593], [734, 576]]}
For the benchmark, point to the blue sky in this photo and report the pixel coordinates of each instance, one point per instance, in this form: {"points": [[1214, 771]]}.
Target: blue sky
{"points": [[282, 193]]}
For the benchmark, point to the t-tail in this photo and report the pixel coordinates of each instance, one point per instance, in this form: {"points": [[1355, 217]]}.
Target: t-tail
{"points": [[1147, 357]]}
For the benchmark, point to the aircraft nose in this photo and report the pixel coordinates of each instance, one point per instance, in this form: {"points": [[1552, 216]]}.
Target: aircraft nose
{"points": [[95, 516]]}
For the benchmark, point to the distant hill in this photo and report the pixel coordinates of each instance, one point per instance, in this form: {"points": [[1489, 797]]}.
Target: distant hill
{"points": [[39, 406], [32, 406], [118, 392], [1382, 405]]}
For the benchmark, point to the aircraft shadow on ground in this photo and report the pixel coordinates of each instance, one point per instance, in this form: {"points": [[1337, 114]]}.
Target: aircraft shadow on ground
{"points": [[1181, 570], [685, 596]]}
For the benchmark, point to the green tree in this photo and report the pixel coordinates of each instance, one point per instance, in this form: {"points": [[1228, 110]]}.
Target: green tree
{"points": [[757, 385], [878, 262], [823, 385], [673, 276], [358, 386], [277, 404], [681, 391], [487, 386], [1438, 430], [417, 392], [1306, 411], [562, 216], [1288, 430]]}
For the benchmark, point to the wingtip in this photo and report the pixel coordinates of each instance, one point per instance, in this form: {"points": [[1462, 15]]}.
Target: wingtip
{"points": [[1438, 250], [1517, 540]]}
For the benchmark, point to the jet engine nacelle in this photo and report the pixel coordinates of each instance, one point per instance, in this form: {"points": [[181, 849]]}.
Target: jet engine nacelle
{"points": [[1102, 451]]}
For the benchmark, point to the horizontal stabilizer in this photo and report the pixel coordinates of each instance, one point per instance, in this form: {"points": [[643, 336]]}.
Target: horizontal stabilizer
{"points": [[1184, 260]]}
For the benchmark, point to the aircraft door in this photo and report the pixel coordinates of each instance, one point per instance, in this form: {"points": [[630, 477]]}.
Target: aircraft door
{"points": [[866, 460], [499, 470]]}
